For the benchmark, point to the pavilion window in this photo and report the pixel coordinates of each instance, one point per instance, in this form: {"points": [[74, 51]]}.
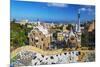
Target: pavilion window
{"points": [[36, 40], [42, 39]]}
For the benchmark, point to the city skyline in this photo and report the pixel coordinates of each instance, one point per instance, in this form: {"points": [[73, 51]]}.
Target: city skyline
{"points": [[50, 11]]}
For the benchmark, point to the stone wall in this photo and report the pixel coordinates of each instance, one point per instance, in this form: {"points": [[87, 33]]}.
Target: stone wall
{"points": [[30, 55]]}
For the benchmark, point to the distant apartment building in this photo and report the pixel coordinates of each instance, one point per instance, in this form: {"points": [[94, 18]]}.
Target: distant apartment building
{"points": [[64, 28], [91, 27], [29, 26], [23, 22]]}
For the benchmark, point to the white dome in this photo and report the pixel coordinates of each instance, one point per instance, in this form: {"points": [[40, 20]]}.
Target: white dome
{"points": [[44, 30]]}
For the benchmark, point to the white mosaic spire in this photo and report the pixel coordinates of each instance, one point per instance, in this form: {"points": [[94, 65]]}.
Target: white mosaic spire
{"points": [[79, 21]]}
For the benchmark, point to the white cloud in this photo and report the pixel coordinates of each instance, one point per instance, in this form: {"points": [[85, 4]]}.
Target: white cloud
{"points": [[82, 9], [57, 4], [85, 9]]}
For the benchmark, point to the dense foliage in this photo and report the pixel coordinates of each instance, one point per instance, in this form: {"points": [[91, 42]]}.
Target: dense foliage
{"points": [[88, 38], [18, 34]]}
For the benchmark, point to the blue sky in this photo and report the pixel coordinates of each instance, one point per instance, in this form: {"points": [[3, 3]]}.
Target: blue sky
{"points": [[50, 11]]}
